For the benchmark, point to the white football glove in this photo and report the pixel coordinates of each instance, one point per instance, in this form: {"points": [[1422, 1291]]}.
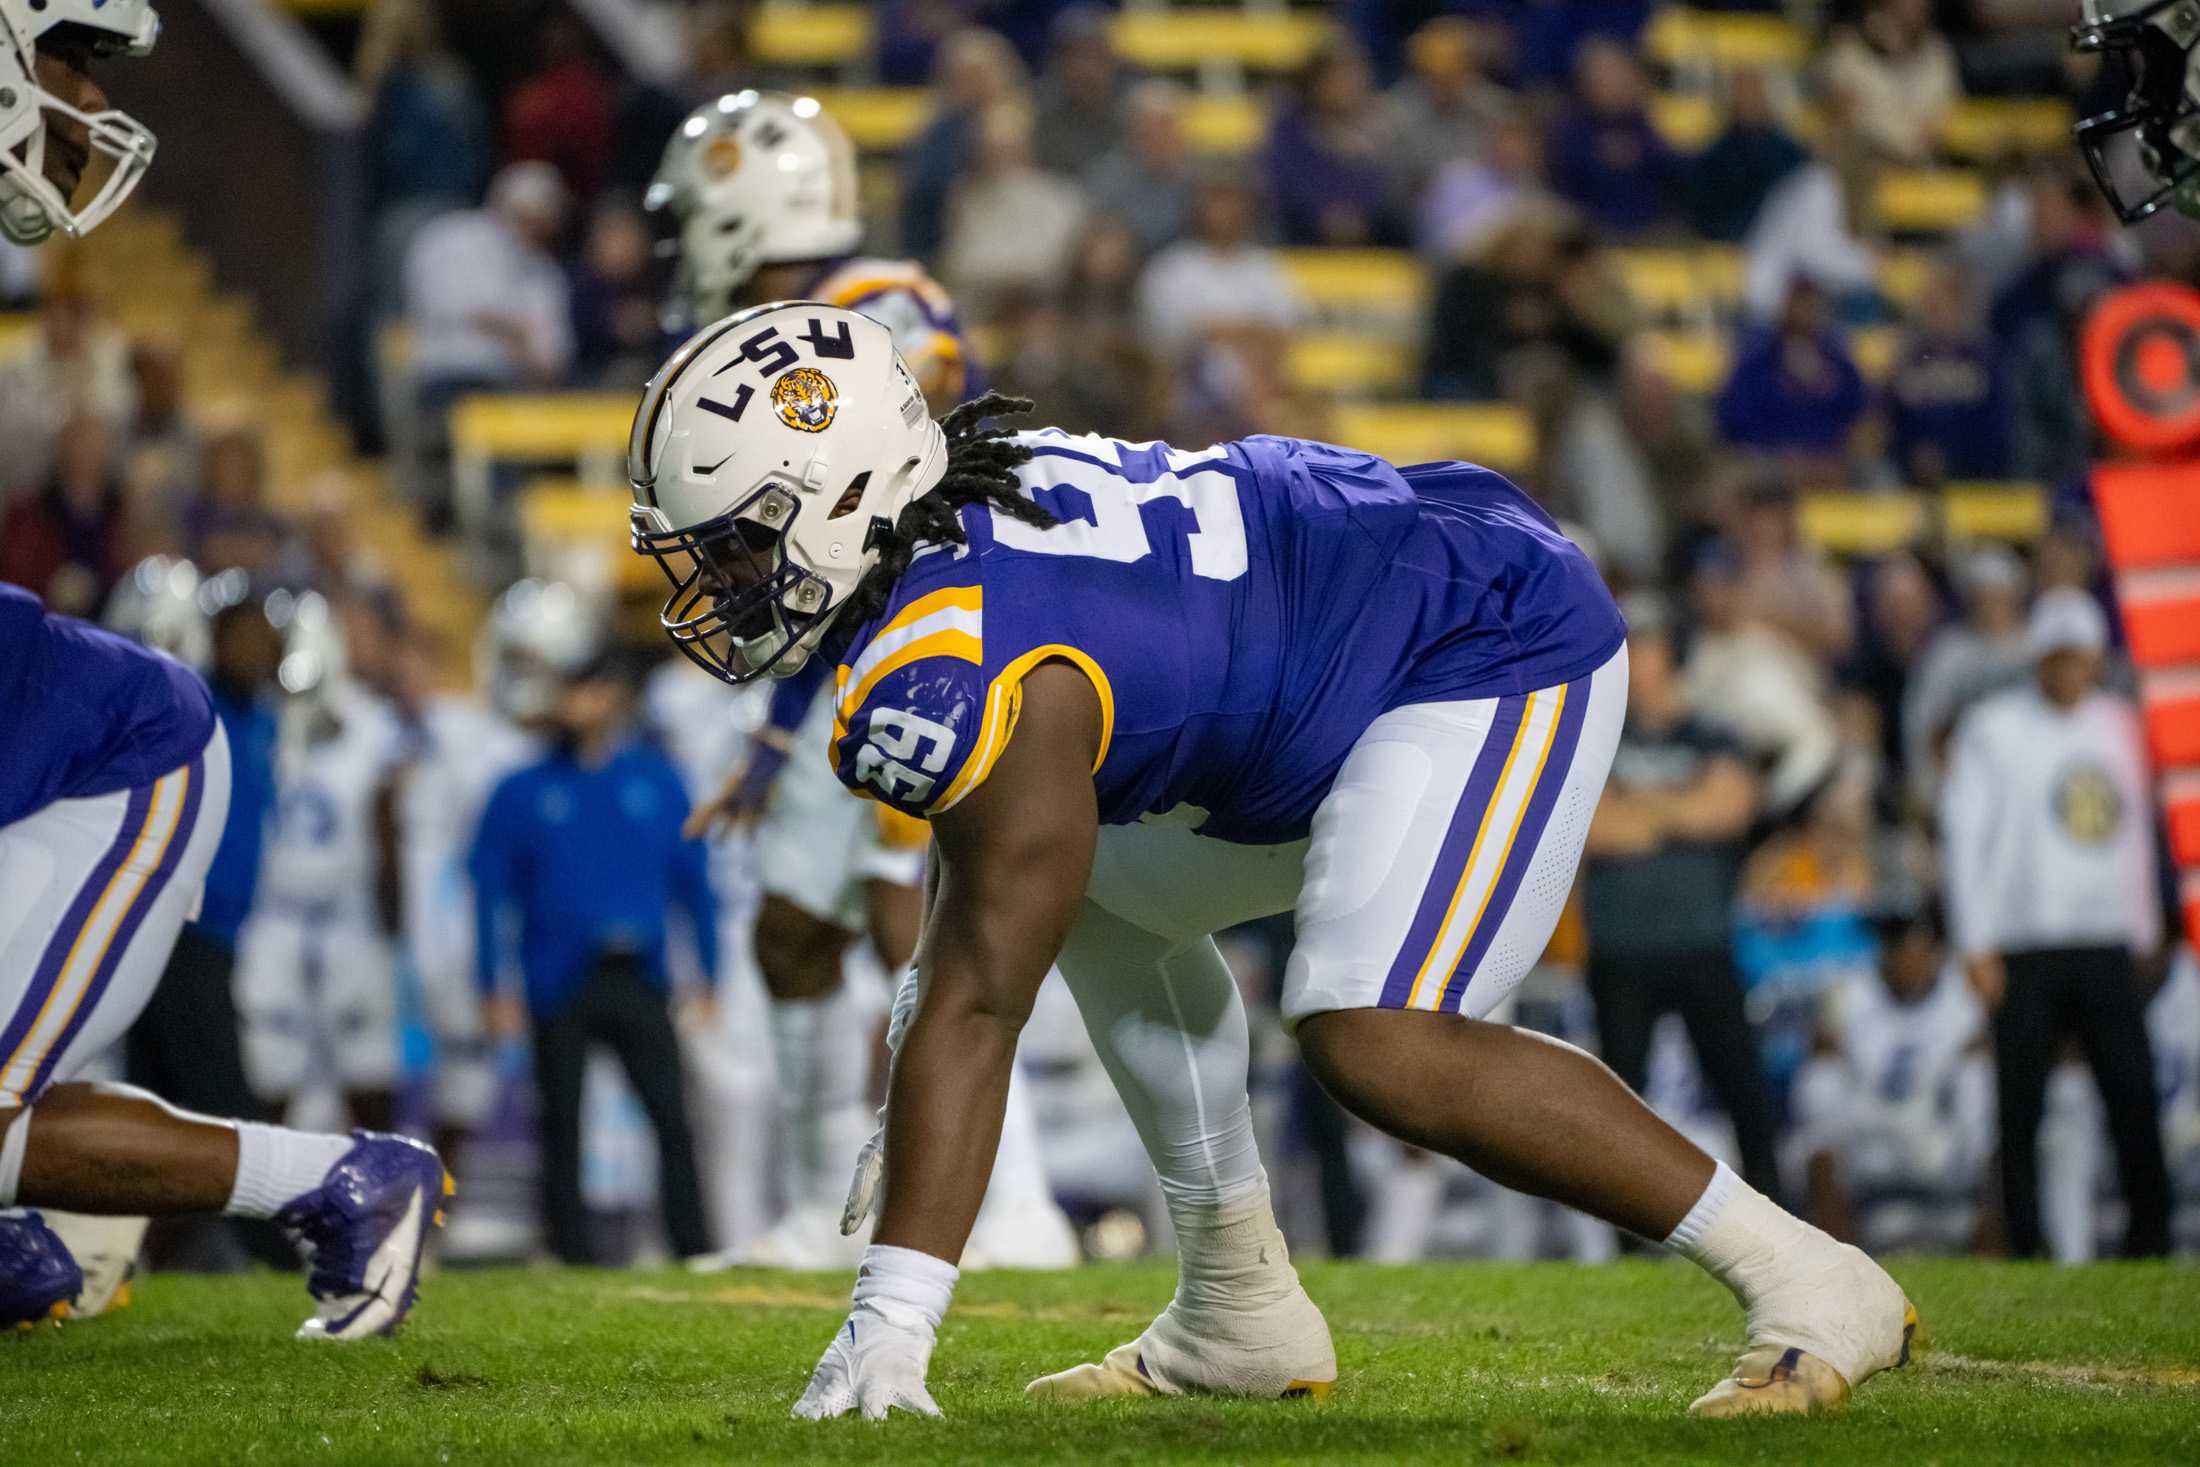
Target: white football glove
{"points": [[874, 1365], [871, 1160]]}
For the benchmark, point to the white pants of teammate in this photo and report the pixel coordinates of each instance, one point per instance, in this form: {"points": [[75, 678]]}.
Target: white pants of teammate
{"points": [[1433, 877], [92, 895], [817, 846], [318, 1000]]}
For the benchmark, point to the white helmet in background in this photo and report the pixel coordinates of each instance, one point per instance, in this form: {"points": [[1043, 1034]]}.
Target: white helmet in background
{"points": [[752, 179], [164, 604], [314, 662], [768, 457], [540, 633], [31, 207]]}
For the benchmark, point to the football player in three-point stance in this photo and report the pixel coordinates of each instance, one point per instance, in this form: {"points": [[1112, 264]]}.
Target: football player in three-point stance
{"points": [[1143, 693], [758, 195], [114, 782]]}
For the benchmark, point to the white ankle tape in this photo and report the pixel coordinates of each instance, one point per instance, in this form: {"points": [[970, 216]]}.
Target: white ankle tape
{"points": [[15, 1135]]}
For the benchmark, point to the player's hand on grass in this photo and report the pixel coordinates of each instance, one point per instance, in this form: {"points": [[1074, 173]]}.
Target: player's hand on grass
{"points": [[875, 1365]]}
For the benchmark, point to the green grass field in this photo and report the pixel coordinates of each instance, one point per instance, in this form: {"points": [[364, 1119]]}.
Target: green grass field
{"points": [[1456, 1363]]}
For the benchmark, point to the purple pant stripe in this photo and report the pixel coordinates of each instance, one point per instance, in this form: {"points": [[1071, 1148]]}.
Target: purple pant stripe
{"points": [[1541, 801], [126, 931], [72, 923], [1451, 858]]}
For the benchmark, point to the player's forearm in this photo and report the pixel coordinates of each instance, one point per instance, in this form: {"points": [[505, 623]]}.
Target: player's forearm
{"points": [[943, 1123]]}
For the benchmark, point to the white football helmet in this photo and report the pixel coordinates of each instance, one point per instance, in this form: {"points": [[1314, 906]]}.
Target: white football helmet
{"points": [[754, 178], [539, 634], [31, 207], [769, 458], [167, 605]]}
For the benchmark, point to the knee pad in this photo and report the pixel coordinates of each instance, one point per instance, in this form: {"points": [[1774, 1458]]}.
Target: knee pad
{"points": [[15, 1134]]}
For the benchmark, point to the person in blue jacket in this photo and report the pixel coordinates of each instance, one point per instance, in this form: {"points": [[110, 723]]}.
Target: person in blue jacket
{"points": [[577, 868]]}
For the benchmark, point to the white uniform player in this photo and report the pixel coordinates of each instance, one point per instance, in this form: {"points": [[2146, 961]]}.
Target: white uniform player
{"points": [[1901, 1100], [316, 981], [2173, 1026], [760, 191]]}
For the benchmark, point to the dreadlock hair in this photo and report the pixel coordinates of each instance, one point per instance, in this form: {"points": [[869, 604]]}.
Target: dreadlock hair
{"points": [[981, 469]]}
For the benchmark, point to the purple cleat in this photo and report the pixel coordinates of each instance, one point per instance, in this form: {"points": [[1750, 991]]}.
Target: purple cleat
{"points": [[367, 1226], [39, 1279]]}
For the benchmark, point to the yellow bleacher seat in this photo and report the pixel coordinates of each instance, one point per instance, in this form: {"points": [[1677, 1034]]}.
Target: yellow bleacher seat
{"points": [[1672, 283], [1904, 274], [1390, 280], [1874, 349], [811, 35], [16, 328], [548, 427], [1994, 511], [1421, 432], [876, 119], [1931, 200], [1862, 524], [1687, 120], [1225, 125], [1348, 363], [563, 519], [1190, 38], [1695, 362], [1984, 128], [1680, 38]]}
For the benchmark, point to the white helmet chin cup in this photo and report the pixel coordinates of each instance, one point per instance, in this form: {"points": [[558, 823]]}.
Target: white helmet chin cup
{"points": [[769, 457], [752, 179], [119, 147]]}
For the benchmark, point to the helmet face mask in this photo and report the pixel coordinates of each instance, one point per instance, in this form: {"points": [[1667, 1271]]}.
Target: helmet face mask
{"points": [[117, 148], [767, 476], [2145, 153]]}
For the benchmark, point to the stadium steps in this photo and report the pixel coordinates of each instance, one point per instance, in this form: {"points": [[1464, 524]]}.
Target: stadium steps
{"points": [[157, 287]]}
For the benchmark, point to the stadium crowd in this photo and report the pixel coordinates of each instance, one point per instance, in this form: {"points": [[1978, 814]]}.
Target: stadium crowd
{"points": [[1769, 933]]}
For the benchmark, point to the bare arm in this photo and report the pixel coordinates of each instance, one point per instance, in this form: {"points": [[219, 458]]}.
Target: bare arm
{"points": [[1013, 859], [1718, 806]]}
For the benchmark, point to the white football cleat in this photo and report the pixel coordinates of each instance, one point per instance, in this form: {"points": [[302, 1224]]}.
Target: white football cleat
{"points": [[1279, 1349], [1838, 1322], [106, 1248]]}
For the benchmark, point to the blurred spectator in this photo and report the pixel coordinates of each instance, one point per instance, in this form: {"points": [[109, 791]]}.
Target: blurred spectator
{"points": [[1082, 383], [74, 365], [1658, 882], [714, 59], [487, 300], [164, 442], [1902, 613], [1729, 181], [1009, 225], [66, 540], [1077, 106], [1671, 429], [1218, 280], [1787, 582], [1966, 660], [1470, 199], [1591, 473], [975, 70], [1758, 684], [428, 134], [2036, 318], [1820, 224], [1947, 417], [1441, 110], [1794, 391], [2047, 821], [228, 522], [561, 112], [1327, 155], [1100, 291], [1897, 74], [1606, 157], [911, 34], [618, 337], [1550, 35], [580, 859], [1539, 281], [1146, 182]]}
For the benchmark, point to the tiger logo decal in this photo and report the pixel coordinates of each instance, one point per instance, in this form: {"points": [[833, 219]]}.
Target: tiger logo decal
{"points": [[806, 400]]}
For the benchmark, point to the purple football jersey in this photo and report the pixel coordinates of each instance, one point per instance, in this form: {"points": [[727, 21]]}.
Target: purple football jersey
{"points": [[1244, 611]]}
